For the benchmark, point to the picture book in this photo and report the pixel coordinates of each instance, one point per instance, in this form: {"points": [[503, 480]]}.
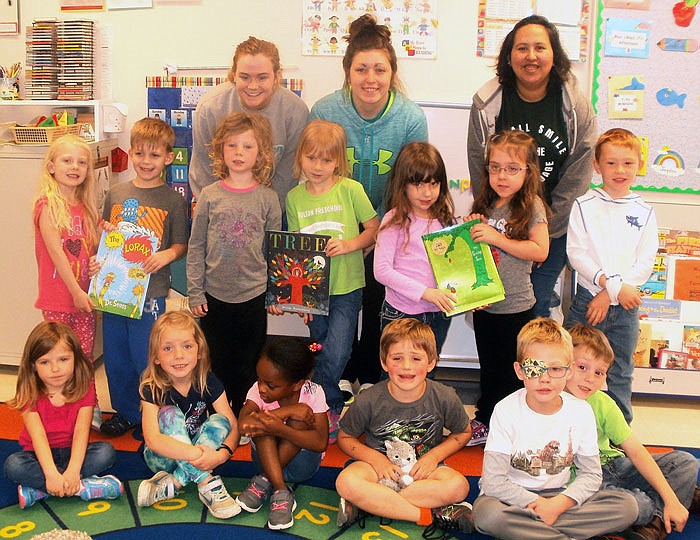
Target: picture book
{"points": [[121, 284], [641, 355], [464, 267], [669, 359], [683, 278], [298, 272]]}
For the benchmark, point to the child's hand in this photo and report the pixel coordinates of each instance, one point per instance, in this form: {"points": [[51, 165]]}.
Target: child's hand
{"points": [[336, 246], [675, 516], [442, 299], [199, 311], [107, 226], [270, 424], [424, 467], [471, 217], [549, 509], [274, 310], [481, 232], [385, 469], [301, 412], [156, 261], [71, 483], [83, 302], [598, 308], [629, 297], [208, 460], [94, 266], [55, 484]]}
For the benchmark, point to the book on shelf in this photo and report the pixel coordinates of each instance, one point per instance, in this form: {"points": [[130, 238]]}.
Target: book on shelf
{"points": [[298, 272], [121, 284], [669, 359], [683, 278], [464, 267]]}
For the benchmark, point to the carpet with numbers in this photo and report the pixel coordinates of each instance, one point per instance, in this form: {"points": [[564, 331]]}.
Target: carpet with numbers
{"points": [[184, 518]]}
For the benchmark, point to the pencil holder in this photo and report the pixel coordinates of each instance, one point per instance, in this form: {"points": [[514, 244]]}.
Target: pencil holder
{"points": [[9, 88]]}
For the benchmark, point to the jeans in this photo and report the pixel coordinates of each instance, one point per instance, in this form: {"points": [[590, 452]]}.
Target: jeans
{"points": [[171, 422], [24, 467], [621, 327], [335, 332], [679, 468], [544, 277], [126, 356], [304, 465], [437, 320], [235, 334]]}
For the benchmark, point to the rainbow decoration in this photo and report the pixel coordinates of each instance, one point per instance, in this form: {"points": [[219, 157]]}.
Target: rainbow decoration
{"points": [[669, 162]]}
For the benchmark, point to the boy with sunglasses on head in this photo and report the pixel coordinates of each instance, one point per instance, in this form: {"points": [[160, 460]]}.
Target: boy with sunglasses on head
{"points": [[537, 434], [663, 484]]}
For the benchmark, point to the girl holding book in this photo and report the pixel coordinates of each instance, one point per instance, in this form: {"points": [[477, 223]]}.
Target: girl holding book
{"points": [[419, 203], [330, 203], [226, 264], [513, 218], [65, 225]]}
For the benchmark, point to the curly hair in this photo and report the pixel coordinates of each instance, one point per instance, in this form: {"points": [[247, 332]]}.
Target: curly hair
{"points": [[561, 69], [519, 145], [238, 123]]}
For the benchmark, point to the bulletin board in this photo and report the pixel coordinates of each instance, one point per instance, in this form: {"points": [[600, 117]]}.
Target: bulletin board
{"points": [[646, 63]]}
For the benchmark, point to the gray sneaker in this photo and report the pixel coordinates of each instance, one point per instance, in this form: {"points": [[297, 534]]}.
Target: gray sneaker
{"points": [[160, 487], [348, 514], [214, 496], [282, 506], [255, 494]]}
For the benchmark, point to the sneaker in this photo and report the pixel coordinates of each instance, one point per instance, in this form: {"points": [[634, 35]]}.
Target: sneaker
{"points": [[116, 426], [28, 496], [282, 506], [450, 517], [480, 432], [364, 386], [333, 419], [96, 423], [654, 530], [346, 389], [100, 487], [244, 440], [160, 487], [214, 496], [694, 507], [253, 497], [348, 514]]}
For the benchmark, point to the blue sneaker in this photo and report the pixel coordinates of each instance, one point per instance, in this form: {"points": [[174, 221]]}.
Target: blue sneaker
{"points": [[28, 496], [104, 487]]}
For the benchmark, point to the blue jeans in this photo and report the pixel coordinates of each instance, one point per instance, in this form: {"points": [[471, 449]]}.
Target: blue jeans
{"points": [[171, 422], [437, 320], [335, 332], [679, 468], [544, 277], [126, 356], [24, 467], [304, 465], [621, 327]]}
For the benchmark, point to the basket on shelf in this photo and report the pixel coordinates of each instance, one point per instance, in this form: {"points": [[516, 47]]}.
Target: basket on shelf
{"points": [[43, 135]]}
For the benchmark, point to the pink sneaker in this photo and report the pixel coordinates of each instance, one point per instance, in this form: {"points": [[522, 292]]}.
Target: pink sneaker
{"points": [[480, 432], [333, 419]]}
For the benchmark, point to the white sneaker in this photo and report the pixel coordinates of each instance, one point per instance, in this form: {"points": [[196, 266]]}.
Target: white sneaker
{"points": [[160, 487], [347, 391], [244, 440], [214, 496], [364, 387], [96, 423]]}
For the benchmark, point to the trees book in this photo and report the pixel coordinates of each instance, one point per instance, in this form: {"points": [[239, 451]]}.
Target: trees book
{"points": [[121, 284], [464, 267], [298, 272]]}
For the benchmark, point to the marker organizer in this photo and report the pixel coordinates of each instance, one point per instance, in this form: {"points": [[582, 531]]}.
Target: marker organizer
{"points": [[43, 135]]}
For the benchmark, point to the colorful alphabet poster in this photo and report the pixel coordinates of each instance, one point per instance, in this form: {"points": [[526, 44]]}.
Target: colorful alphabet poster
{"points": [[413, 25], [121, 284]]}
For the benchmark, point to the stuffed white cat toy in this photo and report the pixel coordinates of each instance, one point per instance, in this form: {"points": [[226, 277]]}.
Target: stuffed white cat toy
{"points": [[404, 455]]}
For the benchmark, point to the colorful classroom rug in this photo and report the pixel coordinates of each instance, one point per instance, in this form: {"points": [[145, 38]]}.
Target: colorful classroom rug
{"points": [[184, 518]]}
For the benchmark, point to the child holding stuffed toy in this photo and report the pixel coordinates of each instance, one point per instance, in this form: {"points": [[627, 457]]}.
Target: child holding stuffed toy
{"points": [[411, 408]]}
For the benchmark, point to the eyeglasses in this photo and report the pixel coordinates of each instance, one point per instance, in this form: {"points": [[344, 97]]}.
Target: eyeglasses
{"points": [[509, 169], [536, 368]]}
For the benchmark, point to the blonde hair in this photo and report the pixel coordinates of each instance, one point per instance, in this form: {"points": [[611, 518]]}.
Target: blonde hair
{"points": [[153, 133], [238, 123], [594, 341], [253, 46], [547, 332], [418, 333], [42, 339], [324, 139], [154, 377], [619, 137], [56, 203]]}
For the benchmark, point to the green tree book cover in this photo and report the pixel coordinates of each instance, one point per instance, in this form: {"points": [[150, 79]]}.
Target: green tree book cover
{"points": [[464, 267]]}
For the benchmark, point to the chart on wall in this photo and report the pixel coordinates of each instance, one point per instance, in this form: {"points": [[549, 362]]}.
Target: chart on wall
{"points": [[645, 80], [413, 25]]}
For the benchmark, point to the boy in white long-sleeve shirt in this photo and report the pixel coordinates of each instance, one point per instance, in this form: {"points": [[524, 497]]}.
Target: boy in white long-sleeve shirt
{"points": [[611, 243]]}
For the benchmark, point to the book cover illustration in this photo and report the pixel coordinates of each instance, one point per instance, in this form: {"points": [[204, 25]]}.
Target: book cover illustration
{"points": [[120, 285], [669, 359], [298, 272], [464, 267], [683, 278]]}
